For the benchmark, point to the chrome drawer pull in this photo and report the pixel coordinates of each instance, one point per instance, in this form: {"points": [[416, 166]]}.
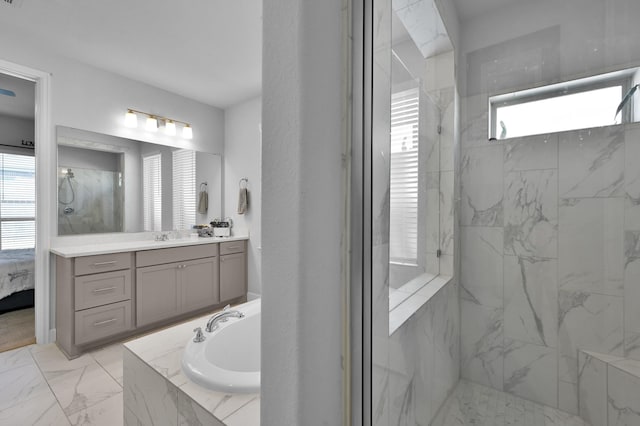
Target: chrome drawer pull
{"points": [[233, 248], [100, 290], [111, 262], [105, 322]]}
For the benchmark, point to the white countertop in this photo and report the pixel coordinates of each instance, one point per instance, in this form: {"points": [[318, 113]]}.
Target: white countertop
{"points": [[124, 246]]}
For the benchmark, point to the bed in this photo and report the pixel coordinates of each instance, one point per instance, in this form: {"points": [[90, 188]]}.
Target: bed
{"points": [[16, 279]]}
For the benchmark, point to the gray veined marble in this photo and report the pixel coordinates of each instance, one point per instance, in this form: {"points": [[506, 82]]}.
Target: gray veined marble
{"points": [[587, 321], [481, 268], [632, 303], [482, 344], [531, 153], [481, 183], [531, 300], [623, 398], [591, 163], [591, 257], [531, 213], [592, 389], [530, 371]]}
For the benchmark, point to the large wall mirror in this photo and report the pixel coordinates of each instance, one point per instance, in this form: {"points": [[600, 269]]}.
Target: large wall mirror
{"points": [[110, 184]]}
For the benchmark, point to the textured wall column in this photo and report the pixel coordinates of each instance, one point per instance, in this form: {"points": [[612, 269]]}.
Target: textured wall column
{"points": [[302, 203]]}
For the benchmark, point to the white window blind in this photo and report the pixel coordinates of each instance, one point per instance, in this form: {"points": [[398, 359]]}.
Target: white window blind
{"points": [[184, 189], [404, 177], [17, 201], [152, 192]]}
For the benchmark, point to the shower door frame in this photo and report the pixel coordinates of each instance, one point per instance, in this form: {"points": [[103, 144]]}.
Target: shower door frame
{"points": [[361, 213], [45, 159]]}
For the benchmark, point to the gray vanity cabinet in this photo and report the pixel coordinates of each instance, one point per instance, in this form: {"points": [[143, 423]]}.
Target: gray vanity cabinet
{"points": [[170, 289], [233, 270], [109, 296]]}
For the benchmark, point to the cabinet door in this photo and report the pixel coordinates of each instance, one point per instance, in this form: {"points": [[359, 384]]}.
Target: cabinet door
{"points": [[199, 283], [233, 276], [157, 293]]}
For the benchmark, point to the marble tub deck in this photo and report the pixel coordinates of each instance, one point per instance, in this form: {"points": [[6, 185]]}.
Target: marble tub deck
{"points": [[154, 383]]}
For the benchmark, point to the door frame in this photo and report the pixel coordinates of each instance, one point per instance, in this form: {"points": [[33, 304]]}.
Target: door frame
{"points": [[44, 171]]}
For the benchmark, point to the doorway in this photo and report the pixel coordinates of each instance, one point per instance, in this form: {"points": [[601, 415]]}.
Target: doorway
{"points": [[44, 160], [17, 212]]}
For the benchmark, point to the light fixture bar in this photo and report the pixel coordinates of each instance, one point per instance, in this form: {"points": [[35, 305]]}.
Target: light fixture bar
{"points": [[131, 120]]}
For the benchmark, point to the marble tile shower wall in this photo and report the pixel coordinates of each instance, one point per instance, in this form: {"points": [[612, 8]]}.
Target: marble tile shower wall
{"points": [[550, 257], [424, 360]]}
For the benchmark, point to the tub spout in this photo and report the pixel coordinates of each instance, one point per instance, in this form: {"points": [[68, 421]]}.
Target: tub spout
{"points": [[223, 316]]}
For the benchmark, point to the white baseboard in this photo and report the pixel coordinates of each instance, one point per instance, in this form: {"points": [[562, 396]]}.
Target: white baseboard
{"points": [[252, 296], [52, 335]]}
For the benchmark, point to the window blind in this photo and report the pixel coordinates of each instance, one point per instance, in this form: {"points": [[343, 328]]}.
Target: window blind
{"points": [[404, 177], [152, 192], [184, 189], [17, 201]]}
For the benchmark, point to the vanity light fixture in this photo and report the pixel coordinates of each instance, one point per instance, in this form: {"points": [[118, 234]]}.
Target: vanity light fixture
{"points": [[170, 128], [187, 132], [131, 119], [154, 122]]}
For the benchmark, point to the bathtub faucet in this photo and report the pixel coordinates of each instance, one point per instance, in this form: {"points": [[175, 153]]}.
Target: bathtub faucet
{"points": [[223, 316]]}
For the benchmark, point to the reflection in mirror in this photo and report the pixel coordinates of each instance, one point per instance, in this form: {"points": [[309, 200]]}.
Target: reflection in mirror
{"points": [[419, 42], [112, 184]]}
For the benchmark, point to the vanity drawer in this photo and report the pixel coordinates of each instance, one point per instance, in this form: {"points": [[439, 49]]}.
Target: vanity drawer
{"points": [[231, 247], [102, 263], [175, 254], [102, 289], [104, 321]]}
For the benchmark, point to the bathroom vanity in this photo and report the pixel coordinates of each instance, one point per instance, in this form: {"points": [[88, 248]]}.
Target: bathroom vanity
{"points": [[110, 291]]}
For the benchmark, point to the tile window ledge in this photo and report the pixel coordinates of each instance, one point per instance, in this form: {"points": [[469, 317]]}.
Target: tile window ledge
{"points": [[408, 299]]}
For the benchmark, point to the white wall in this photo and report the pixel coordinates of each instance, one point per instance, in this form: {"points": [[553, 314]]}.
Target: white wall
{"points": [[303, 200], [15, 130], [242, 158]]}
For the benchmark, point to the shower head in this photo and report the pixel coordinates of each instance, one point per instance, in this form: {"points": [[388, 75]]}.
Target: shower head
{"points": [[69, 173]]}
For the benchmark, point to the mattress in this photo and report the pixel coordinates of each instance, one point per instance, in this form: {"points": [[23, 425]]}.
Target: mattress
{"points": [[16, 271]]}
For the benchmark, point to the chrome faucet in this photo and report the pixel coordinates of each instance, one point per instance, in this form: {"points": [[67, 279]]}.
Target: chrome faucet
{"points": [[222, 316]]}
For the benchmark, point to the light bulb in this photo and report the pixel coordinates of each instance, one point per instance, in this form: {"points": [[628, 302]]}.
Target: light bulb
{"points": [[152, 124], [131, 119], [187, 132], [170, 128]]}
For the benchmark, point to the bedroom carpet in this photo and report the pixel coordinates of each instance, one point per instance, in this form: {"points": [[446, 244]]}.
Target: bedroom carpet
{"points": [[17, 329]]}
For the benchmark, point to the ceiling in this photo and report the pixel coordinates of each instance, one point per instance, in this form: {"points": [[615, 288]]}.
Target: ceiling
{"points": [[207, 50], [468, 9]]}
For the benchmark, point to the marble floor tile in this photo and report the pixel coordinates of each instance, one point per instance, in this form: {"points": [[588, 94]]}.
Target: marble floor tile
{"points": [[106, 413], [53, 363], [474, 404], [15, 358], [21, 384], [110, 358], [83, 387], [40, 411]]}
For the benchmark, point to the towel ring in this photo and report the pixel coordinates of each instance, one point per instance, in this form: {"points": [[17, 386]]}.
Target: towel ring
{"points": [[246, 182]]}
